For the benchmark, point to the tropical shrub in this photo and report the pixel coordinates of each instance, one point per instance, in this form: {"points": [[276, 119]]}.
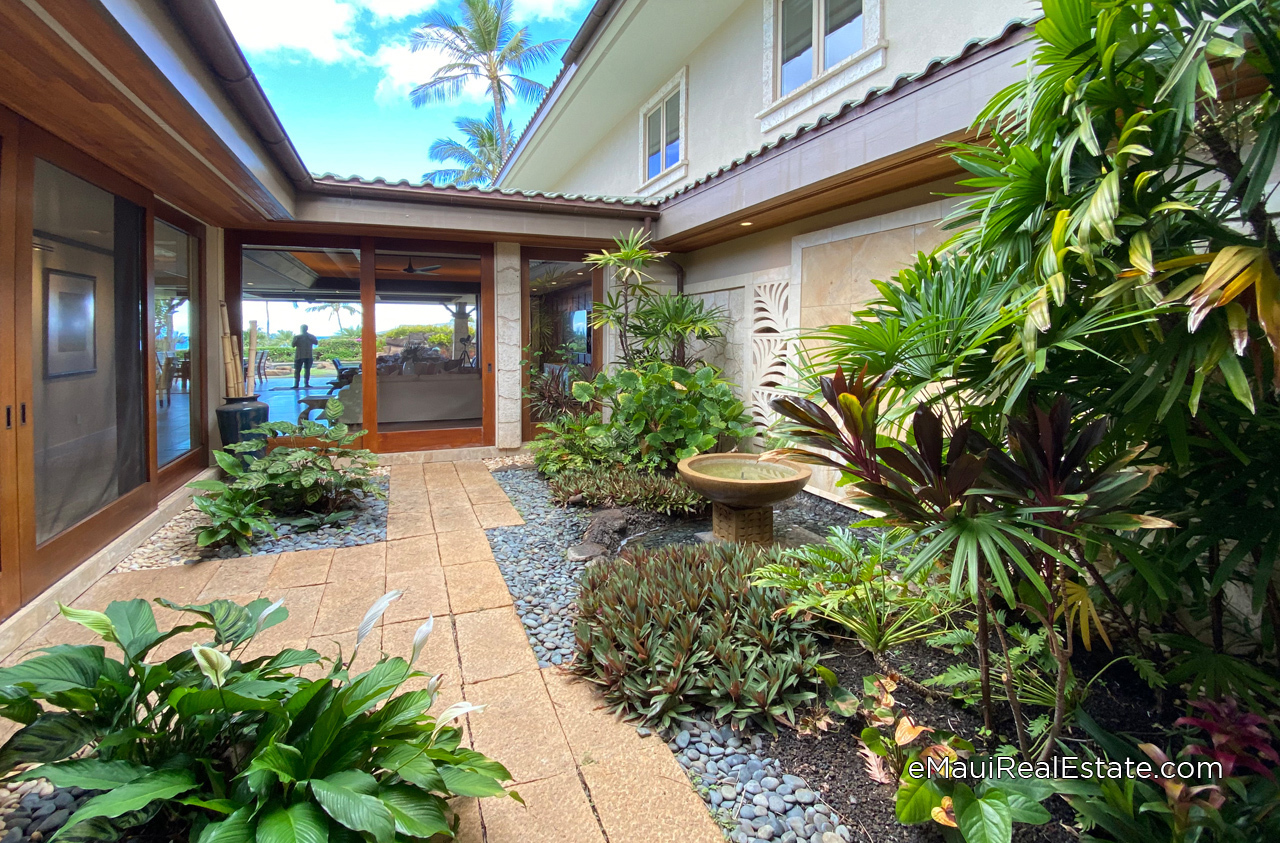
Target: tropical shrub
{"points": [[671, 412], [311, 467], [1015, 526], [856, 584], [681, 628], [651, 326], [344, 348], [575, 442], [234, 516], [1238, 802], [210, 746], [634, 487]]}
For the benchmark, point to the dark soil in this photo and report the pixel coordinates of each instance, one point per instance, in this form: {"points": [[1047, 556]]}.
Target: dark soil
{"points": [[830, 762]]}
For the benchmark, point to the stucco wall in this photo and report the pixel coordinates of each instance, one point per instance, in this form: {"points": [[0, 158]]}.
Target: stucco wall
{"points": [[805, 276], [726, 92]]}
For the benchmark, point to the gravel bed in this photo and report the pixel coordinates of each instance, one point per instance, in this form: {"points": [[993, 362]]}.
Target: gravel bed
{"points": [[747, 793], [521, 459], [33, 810], [532, 559], [175, 542]]}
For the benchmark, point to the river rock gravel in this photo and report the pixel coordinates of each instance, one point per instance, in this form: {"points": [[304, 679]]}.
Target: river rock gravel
{"points": [[175, 542], [534, 562]]}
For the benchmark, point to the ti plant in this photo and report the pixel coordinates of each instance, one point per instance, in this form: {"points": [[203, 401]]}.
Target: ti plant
{"points": [[210, 744], [1014, 525]]}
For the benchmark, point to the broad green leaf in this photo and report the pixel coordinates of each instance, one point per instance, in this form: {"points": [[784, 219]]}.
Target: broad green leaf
{"points": [[96, 622], [982, 819], [88, 773], [356, 811], [237, 828], [135, 626], [61, 668], [916, 799], [300, 823], [416, 813], [283, 760], [161, 784], [50, 737], [467, 783], [412, 764]]}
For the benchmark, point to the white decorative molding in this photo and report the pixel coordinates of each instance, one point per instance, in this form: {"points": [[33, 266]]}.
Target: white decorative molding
{"points": [[773, 320], [677, 171], [777, 110]]}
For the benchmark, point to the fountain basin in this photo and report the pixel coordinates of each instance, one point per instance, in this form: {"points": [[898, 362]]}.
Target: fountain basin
{"points": [[743, 491], [742, 480]]}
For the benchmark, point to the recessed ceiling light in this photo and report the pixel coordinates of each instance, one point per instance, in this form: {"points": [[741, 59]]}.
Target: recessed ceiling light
{"points": [[744, 223]]}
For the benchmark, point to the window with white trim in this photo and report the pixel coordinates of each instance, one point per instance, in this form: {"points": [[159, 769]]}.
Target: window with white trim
{"points": [[663, 121], [815, 36], [662, 137]]}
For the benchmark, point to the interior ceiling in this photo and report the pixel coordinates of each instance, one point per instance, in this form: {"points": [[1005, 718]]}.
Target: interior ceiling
{"points": [[548, 276], [334, 275]]}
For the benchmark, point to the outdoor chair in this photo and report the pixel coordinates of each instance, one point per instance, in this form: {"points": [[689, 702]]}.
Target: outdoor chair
{"points": [[344, 376]]}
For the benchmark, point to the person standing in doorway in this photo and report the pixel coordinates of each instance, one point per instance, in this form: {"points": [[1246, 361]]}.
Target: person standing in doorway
{"points": [[304, 345]]}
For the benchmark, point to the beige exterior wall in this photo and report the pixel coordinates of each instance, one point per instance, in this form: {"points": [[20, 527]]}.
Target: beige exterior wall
{"points": [[780, 282], [727, 116]]}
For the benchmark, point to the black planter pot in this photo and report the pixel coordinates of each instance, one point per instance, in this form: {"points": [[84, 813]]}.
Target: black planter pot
{"points": [[239, 415]]}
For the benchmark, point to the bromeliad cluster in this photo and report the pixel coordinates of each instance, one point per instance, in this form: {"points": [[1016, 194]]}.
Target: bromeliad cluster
{"points": [[211, 745], [681, 628]]}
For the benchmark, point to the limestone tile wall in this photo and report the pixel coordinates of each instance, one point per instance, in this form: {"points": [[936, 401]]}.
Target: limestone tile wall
{"points": [[506, 274]]}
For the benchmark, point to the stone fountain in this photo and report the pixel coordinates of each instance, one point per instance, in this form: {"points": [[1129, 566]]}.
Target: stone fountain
{"points": [[743, 491]]}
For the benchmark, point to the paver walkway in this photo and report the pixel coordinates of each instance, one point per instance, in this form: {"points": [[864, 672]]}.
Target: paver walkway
{"points": [[586, 776]]}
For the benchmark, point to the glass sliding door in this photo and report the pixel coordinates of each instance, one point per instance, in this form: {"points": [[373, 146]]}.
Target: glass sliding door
{"points": [[306, 301], [175, 327], [428, 323], [88, 403]]}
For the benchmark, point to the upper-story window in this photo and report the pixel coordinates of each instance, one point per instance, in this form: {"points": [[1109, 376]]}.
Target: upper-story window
{"points": [[818, 49], [664, 147], [816, 36], [662, 129]]}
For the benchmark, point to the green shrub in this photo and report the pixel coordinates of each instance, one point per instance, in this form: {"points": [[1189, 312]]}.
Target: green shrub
{"points": [[613, 486], [578, 441], [682, 628], [207, 747], [672, 412], [344, 348], [234, 516]]}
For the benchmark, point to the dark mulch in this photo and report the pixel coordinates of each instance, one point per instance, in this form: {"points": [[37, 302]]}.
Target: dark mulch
{"points": [[830, 763]]}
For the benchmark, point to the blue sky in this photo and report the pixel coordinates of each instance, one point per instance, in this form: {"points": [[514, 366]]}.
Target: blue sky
{"points": [[339, 72]]}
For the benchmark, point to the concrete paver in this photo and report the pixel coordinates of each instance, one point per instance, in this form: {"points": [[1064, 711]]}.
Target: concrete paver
{"points": [[585, 775]]}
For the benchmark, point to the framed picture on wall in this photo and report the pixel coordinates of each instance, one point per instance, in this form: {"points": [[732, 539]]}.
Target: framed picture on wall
{"points": [[70, 346]]}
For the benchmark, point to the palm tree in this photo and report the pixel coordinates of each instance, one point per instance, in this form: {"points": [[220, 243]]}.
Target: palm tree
{"points": [[480, 156], [337, 308], [483, 44]]}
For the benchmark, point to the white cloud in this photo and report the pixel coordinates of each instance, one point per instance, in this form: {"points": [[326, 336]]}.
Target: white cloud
{"points": [[322, 29], [403, 70], [393, 10], [527, 10]]}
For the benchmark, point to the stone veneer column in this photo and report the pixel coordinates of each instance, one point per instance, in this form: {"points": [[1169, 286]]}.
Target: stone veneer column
{"points": [[506, 277]]}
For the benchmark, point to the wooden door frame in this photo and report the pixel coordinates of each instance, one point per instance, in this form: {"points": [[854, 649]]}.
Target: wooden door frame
{"points": [[41, 565], [10, 543], [171, 476], [235, 240]]}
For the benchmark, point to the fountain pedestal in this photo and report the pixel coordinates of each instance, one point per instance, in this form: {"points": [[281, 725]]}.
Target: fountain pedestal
{"points": [[743, 491], [752, 525]]}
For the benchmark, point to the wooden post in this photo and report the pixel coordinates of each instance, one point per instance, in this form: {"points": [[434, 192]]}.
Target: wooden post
{"points": [[231, 358]]}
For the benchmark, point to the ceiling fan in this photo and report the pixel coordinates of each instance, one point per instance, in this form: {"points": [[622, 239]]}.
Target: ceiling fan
{"points": [[421, 270]]}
